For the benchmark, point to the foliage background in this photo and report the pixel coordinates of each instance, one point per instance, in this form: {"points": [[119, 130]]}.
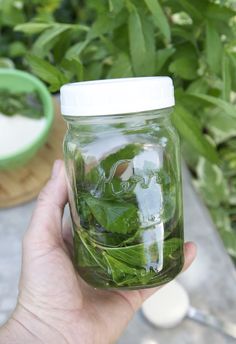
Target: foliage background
{"points": [[192, 41]]}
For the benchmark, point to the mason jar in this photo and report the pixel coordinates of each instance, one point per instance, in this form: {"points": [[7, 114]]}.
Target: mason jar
{"points": [[122, 157]]}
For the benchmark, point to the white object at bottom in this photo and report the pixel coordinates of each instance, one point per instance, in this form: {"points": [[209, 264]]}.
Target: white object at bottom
{"points": [[168, 306]]}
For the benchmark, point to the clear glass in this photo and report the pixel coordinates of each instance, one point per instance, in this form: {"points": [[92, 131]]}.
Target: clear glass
{"points": [[125, 198]]}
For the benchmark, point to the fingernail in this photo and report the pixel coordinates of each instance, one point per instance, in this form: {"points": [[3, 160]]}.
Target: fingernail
{"points": [[56, 168]]}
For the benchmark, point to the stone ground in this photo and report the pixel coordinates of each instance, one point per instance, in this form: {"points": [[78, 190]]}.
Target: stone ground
{"points": [[211, 281]]}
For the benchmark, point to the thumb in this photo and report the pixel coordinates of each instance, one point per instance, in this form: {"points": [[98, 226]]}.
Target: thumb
{"points": [[46, 222]]}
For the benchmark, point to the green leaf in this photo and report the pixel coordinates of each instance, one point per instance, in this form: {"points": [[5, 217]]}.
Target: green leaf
{"points": [[223, 223], [11, 13], [121, 272], [57, 51], [185, 50], [121, 67], [190, 156], [232, 60], [226, 73], [47, 72], [93, 71], [141, 43], [219, 13], [86, 254], [110, 169], [115, 6], [136, 255], [192, 9], [101, 26], [48, 39], [32, 28], [232, 196], [141, 255], [149, 37], [122, 154], [189, 129], [76, 49], [17, 49], [162, 57], [221, 219], [185, 68], [197, 106], [74, 66], [228, 108], [139, 263], [229, 239], [116, 217], [159, 17], [228, 162], [186, 33], [198, 86], [213, 47], [211, 183], [222, 128], [137, 42], [111, 5]]}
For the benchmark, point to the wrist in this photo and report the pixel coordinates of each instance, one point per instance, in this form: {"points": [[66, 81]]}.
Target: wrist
{"points": [[13, 332], [25, 327]]}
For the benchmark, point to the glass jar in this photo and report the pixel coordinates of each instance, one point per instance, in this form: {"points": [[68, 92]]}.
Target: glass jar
{"points": [[122, 158]]}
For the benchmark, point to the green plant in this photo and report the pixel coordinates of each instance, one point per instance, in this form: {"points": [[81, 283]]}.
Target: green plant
{"points": [[63, 41]]}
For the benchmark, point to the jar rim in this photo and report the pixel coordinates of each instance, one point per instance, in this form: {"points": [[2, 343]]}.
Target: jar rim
{"points": [[117, 96]]}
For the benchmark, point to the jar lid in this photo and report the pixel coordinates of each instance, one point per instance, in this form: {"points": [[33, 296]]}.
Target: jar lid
{"points": [[116, 96]]}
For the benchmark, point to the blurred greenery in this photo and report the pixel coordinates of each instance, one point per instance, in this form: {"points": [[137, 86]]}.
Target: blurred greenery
{"points": [[193, 42]]}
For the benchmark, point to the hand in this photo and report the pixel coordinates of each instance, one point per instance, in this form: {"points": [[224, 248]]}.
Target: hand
{"points": [[55, 305]]}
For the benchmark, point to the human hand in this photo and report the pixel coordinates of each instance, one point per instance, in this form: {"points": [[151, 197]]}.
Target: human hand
{"points": [[55, 305]]}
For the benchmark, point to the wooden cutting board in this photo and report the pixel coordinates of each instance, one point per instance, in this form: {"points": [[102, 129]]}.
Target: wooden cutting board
{"points": [[24, 183]]}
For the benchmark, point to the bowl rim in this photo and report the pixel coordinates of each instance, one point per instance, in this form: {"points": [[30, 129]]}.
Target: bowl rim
{"points": [[48, 114]]}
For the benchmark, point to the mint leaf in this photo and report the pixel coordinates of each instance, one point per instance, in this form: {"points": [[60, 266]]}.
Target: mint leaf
{"points": [[227, 82], [223, 222], [102, 25], [121, 68], [149, 37], [136, 255], [211, 183], [193, 10], [213, 47], [218, 12], [32, 28], [159, 17], [137, 42], [48, 39], [185, 67], [188, 127], [86, 254], [115, 217], [126, 153], [128, 267], [76, 49], [73, 65], [220, 128], [47, 72], [162, 56], [228, 108]]}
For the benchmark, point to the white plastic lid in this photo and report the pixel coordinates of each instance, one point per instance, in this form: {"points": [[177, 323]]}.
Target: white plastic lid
{"points": [[116, 96]]}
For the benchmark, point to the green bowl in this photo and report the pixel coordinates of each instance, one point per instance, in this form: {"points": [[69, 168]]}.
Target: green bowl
{"points": [[18, 81]]}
